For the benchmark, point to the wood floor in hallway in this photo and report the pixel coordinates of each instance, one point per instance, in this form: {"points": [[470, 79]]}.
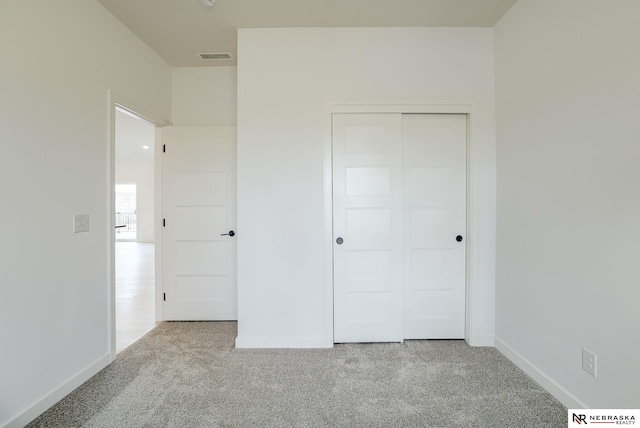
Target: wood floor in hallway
{"points": [[135, 292]]}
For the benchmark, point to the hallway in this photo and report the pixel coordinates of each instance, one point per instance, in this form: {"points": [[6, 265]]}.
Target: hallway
{"points": [[135, 292]]}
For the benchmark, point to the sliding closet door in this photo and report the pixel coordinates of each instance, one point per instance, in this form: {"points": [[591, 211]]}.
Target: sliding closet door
{"points": [[399, 226], [434, 151], [367, 202]]}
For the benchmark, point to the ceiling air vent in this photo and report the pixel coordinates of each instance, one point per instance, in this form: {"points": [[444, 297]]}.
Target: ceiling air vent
{"points": [[215, 55]]}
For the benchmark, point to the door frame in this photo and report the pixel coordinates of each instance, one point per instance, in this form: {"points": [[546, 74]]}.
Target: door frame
{"points": [[115, 100], [472, 272]]}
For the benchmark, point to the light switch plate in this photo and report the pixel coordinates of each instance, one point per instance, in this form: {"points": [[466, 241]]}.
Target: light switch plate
{"points": [[80, 223], [589, 362]]}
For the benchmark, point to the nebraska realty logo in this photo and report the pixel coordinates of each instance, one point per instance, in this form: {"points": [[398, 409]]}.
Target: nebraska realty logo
{"points": [[579, 417]]}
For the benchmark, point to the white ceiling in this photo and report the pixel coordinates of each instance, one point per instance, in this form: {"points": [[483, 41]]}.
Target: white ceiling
{"points": [[178, 30], [132, 133]]}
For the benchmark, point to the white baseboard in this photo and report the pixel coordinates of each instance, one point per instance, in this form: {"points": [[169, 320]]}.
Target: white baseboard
{"points": [[481, 341], [321, 342], [283, 342], [560, 393], [37, 408]]}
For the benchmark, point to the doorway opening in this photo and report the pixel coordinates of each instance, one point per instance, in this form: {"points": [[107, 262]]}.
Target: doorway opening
{"points": [[126, 212], [134, 228]]}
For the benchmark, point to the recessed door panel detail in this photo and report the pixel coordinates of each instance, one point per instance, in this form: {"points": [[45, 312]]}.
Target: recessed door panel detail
{"points": [[430, 268], [369, 228], [431, 227], [201, 258], [369, 265], [200, 188], [370, 307], [200, 223], [367, 139], [431, 305], [431, 181], [194, 288], [196, 151], [399, 188], [432, 139], [368, 181]]}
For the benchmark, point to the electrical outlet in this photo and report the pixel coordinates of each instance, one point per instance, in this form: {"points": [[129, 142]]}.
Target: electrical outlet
{"points": [[589, 362], [80, 223]]}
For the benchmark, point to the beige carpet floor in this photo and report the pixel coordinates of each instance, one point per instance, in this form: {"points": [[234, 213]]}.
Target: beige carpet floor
{"points": [[191, 375]]}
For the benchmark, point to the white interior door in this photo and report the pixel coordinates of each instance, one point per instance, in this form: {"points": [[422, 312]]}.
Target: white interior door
{"points": [[367, 192], [199, 208], [434, 147], [399, 189]]}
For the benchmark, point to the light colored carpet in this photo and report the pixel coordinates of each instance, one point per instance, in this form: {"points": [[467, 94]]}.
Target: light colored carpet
{"points": [[190, 375]]}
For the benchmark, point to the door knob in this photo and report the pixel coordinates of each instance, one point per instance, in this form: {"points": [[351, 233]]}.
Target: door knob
{"points": [[231, 233], [459, 238], [339, 241]]}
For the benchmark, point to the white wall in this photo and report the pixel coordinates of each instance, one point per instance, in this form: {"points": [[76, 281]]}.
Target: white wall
{"points": [[568, 244], [284, 78], [58, 61], [204, 96], [141, 172]]}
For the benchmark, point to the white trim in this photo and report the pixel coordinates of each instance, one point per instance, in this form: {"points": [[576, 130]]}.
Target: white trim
{"points": [[282, 342], [114, 100], [159, 214], [482, 341], [136, 110], [401, 107], [328, 225], [467, 107], [45, 402], [553, 387]]}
